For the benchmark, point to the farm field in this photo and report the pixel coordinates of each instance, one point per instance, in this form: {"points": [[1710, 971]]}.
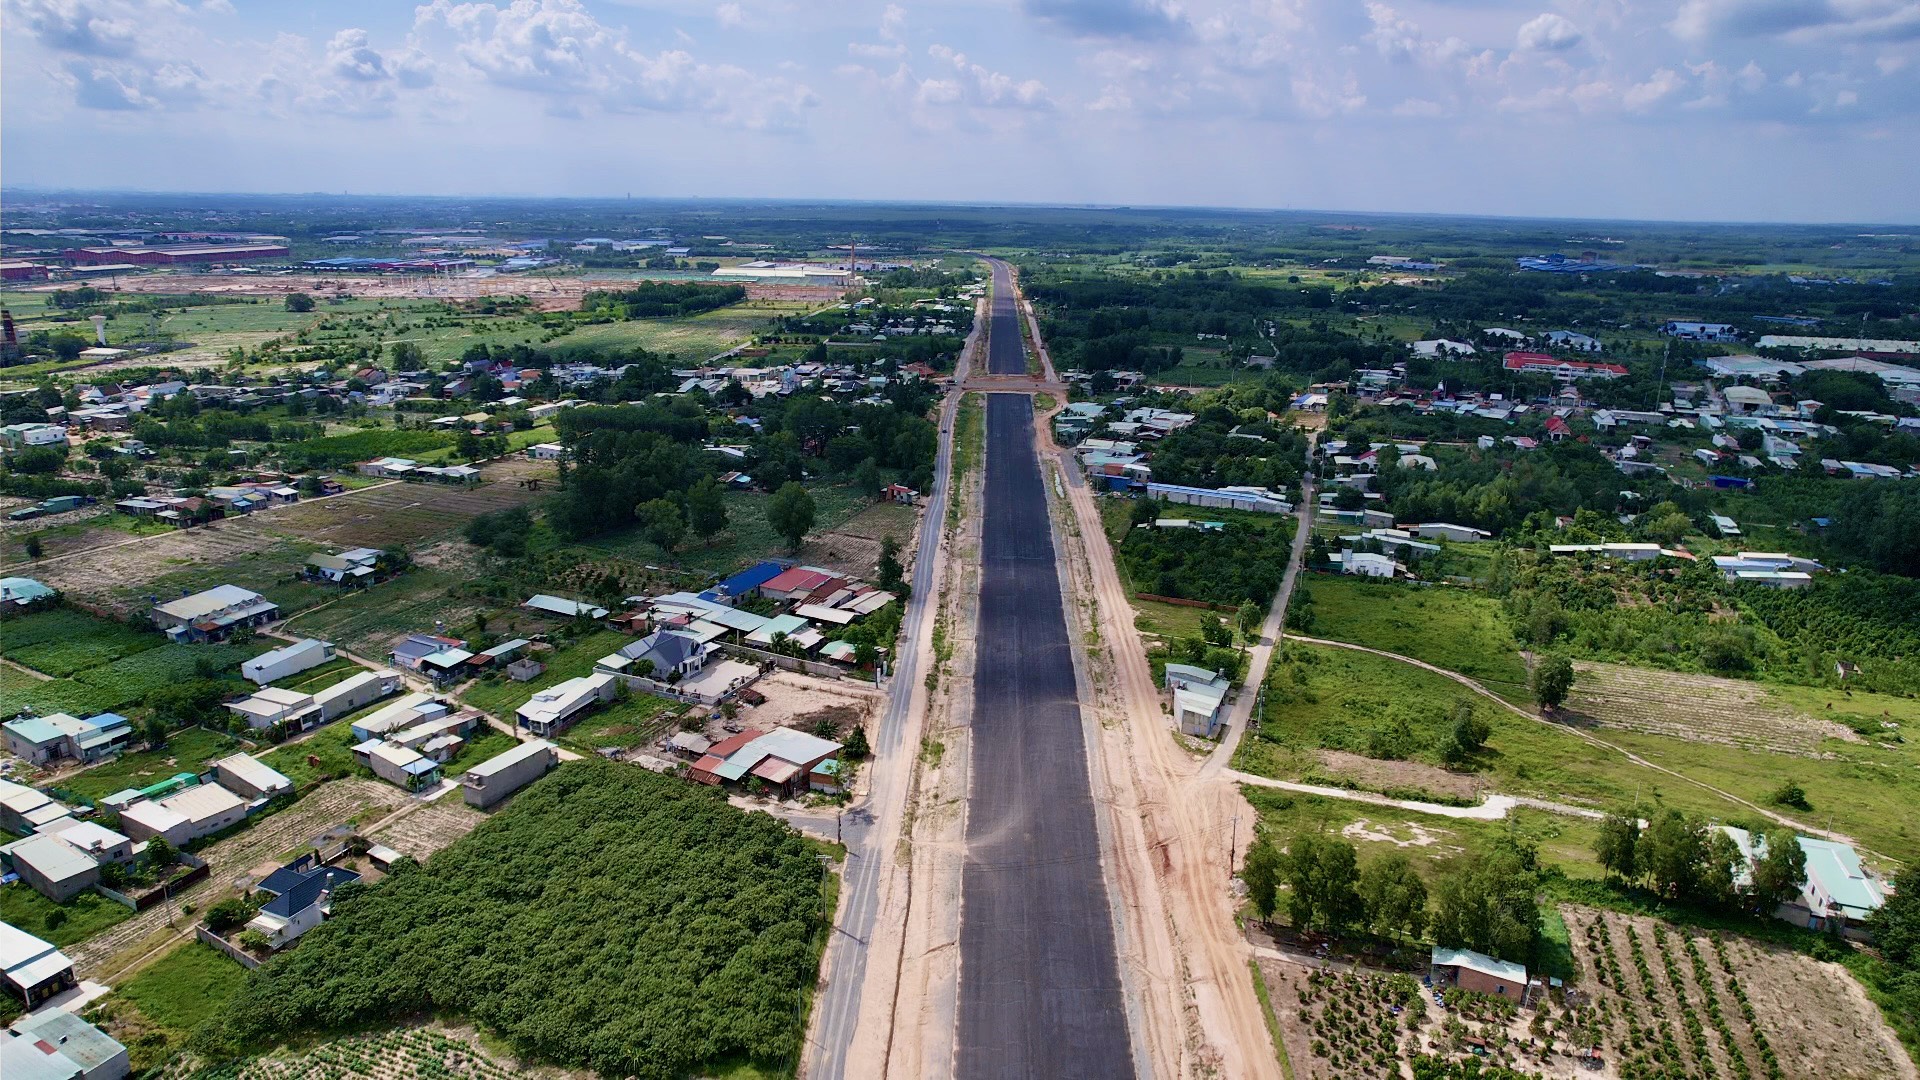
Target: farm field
{"points": [[692, 339], [1754, 1004], [186, 750], [62, 641], [433, 826], [1701, 708], [1456, 629], [485, 742], [448, 1053], [366, 622], [324, 751], [113, 684], [853, 546]]}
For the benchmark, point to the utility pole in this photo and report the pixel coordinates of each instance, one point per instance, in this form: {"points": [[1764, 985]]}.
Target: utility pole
{"points": [[1233, 845]]}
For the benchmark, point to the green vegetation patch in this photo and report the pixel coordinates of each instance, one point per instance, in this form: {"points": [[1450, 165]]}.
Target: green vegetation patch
{"points": [[186, 750], [623, 724], [327, 752], [63, 641], [124, 681], [609, 919], [501, 696], [60, 924], [1243, 561], [1456, 629], [335, 451]]}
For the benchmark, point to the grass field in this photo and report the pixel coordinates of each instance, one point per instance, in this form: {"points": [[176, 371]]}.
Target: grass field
{"points": [[154, 1012], [501, 696], [63, 641], [123, 682], [484, 743], [59, 924], [1170, 621], [694, 338], [367, 622], [188, 750], [1456, 629], [633, 721], [327, 751]]}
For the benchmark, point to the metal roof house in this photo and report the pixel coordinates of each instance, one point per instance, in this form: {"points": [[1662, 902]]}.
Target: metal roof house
{"points": [[503, 774], [277, 664], [198, 811], [1838, 894], [248, 776], [271, 705], [54, 1044], [1479, 972], [214, 614], [398, 765], [40, 739], [783, 758], [747, 582], [52, 867], [21, 592], [1199, 698], [563, 607], [32, 969], [552, 709]]}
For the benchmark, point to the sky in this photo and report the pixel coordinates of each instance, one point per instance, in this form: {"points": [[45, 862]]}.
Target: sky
{"points": [[1750, 110]]}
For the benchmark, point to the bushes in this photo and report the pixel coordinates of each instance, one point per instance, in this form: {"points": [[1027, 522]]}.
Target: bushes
{"points": [[1242, 562], [609, 919], [333, 451]]}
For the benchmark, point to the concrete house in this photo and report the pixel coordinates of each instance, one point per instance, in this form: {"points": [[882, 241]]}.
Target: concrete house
{"points": [[277, 664], [398, 765], [25, 810], [41, 739], [213, 615], [1459, 534], [1199, 699], [667, 652], [271, 705], [248, 776], [560, 606], [355, 692], [1478, 972], [409, 710], [500, 776], [54, 1044], [32, 970], [551, 710], [1839, 892], [353, 567], [785, 759], [302, 893], [198, 811], [51, 866]]}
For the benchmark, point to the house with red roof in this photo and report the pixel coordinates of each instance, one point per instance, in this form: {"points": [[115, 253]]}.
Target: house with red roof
{"points": [[1533, 363]]}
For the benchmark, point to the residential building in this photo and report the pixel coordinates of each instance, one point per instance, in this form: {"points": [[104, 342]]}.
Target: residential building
{"points": [[20, 592], [551, 710], [1839, 892], [251, 778], [503, 774], [1749, 401], [302, 893], [354, 693], [1629, 552], [277, 664], [410, 710], [410, 650], [659, 655], [33, 970], [54, 1044], [542, 604], [357, 566], [200, 810], [1365, 564], [404, 768], [23, 436], [271, 705], [1478, 972], [25, 810], [797, 582], [746, 582], [785, 759], [51, 866], [1199, 699], [214, 614], [1257, 500], [1532, 363], [41, 739], [1459, 534], [1700, 331], [546, 451]]}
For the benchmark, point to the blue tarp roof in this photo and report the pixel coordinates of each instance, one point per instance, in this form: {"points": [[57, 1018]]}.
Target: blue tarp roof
{"points": [[750, 579]]}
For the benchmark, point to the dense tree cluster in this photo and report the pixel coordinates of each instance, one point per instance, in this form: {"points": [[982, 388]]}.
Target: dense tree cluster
{"points": [[609, 919], [1242, 562], [1682, 857], [664, 299]]}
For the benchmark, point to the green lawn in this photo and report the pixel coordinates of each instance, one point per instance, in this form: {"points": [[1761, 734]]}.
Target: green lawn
{"points": [[1454, 628], [368, 621], [330, 747], [125, 681], [172, 996], [1170, 621], [501, 696], [59, 924], [315, 679], [484, 743], [188, 750]]}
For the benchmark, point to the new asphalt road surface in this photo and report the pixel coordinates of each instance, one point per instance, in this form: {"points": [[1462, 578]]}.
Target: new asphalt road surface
{"points": [[1040, 988], [1006, 355]]}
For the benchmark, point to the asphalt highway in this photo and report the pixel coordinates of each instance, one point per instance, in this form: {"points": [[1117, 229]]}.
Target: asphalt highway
{"points": [[1039, 991], [1005, 354]]}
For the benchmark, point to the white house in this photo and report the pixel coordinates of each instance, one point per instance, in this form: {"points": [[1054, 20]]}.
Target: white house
{"points": [[1199, 699], [355, 692], [1366, 564], [554, 708], [198, 811], [272, 705], [277, 664], [250, 777]]}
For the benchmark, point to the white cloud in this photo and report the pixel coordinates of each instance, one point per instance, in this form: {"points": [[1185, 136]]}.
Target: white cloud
{"points": [[1864, 20], [877, 52], [106, 28], [730, 16], [1548, 32], [1662, 84]]}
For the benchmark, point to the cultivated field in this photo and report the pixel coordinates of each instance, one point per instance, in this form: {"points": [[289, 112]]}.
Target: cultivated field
{"points": [[853, 546], [432, 827], [1724, 1005], [1701, 708], [450, 1053]]}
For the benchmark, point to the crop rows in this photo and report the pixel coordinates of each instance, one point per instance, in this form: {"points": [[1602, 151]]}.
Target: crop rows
{"points": [[1699, 708], [411, 1054], [1357, 1020]]}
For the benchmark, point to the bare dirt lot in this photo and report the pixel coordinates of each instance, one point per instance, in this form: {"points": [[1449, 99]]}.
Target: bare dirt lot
{"points": [[1401, 775], [1697, 707], [854, 548], [799, 701], [432, 827]]}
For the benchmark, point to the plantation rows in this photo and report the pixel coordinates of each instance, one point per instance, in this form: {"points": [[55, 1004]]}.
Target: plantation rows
{"points": [[394, 1055], [1700, 708]]}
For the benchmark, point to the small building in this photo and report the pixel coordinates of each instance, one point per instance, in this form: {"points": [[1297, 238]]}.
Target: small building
{"points": [[546, 451], [51, 866], [1237, 498], [54, 1044], [302, 893], [358, 566], [200, 810], [503, 774], [213, 615], [410, 650], [1459, 534], [277, 664], [33, 970], [783, 758], [410, 710], [43, 739], [20, 593], [747, 582], [397, 765], [248, 776], [659, 655], [796, 582], [1199, 699], [354, 693], [1699, 331], [543, 604], [25, 810], [525, 669], [551, 710], [271, 706], [1366, 564], [1478, 972]]}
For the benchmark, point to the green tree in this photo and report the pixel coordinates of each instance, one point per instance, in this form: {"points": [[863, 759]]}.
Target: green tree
{"points": [[1487, 903], [660, 520], [1552, 680], [1614, 845], [299, 302], [889, 569], [406, 356], [1780, 873], [1322, 874], [1393, 896], [227, 914], [790, 511], [706, 510], [1672, 853], [1249, 618], [1262, 877], [866, 478], [856, 747], [34, 550], [1895, 925]]}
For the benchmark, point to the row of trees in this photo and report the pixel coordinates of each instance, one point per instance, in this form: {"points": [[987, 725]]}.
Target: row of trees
{"points": [[1683, 857], [1485, 902]]}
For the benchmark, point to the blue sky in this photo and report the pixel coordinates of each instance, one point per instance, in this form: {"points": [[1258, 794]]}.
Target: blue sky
{"points": [[1795, 110]]}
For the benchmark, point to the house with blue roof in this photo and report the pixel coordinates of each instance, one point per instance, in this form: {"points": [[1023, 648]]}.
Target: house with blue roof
{"points": [[41, 739], [302, 893], [17, 593], [1839, 892], [745, 583]]}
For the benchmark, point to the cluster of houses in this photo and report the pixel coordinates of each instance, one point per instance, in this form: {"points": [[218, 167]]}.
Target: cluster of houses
{"points": [[407, 741], [48, 1041], [783, 761]]}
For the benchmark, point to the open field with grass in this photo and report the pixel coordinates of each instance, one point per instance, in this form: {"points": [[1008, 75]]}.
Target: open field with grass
{"points": [[485, 742], [62, 641], [636, 720], [186, 750], [1169, 621], [60, 924], [691, 339], [366, 622], [115, 684], [153, 1013], [325, 751], [747, 539], [1456, 629], [1704, 708], [501, 696]]}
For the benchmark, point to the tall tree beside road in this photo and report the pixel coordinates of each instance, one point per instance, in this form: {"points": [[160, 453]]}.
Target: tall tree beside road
{"points": [[1323, 874], [1262, 877], [1487, 904], [1394, 896], [791, 513], [1615, 845]]}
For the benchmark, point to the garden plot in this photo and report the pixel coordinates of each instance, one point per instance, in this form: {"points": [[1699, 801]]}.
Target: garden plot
{"points": [[453, 1053], [853, 548], [1700, 708], [399, 514], [108, 954], [432, 827], [1668, 998], [117, 577]]}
